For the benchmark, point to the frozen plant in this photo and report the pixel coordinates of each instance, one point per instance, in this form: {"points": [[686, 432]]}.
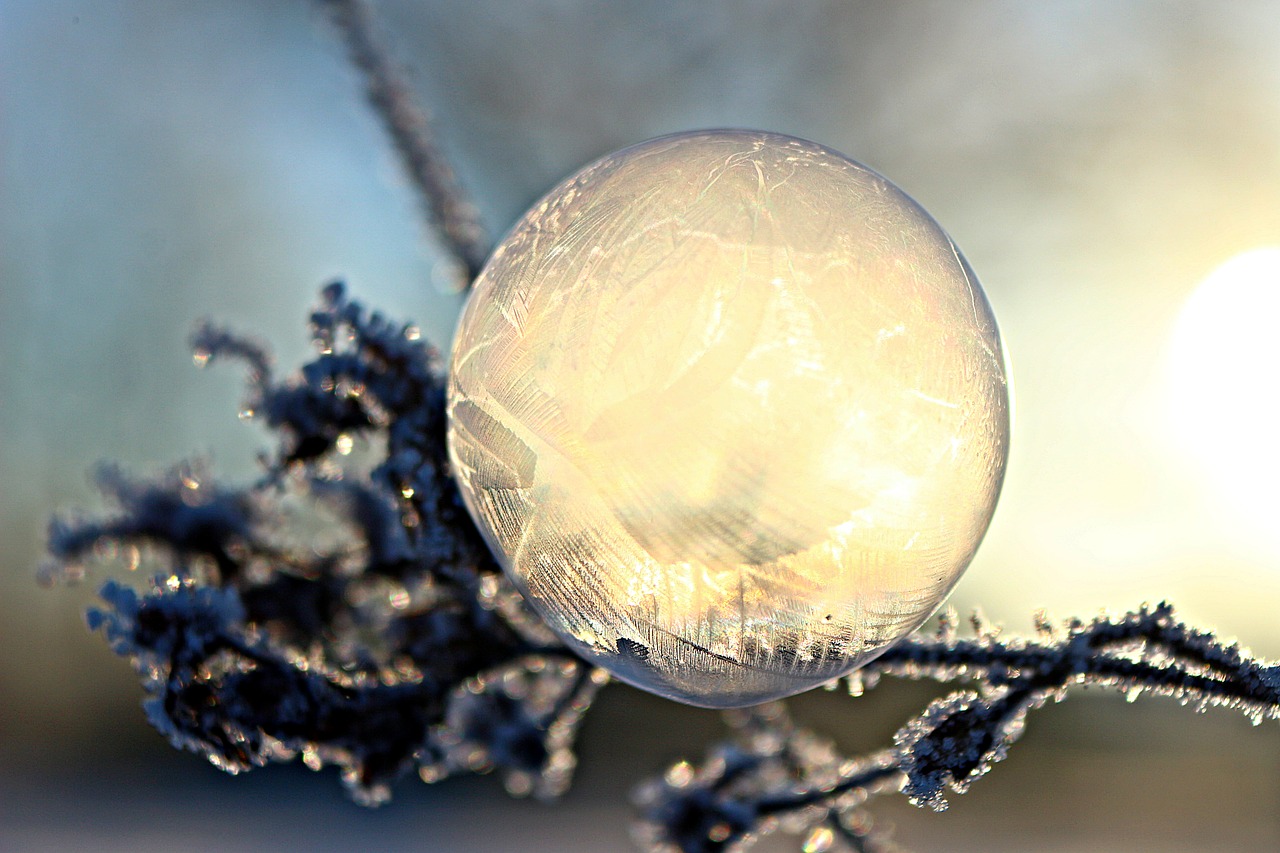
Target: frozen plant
{"points": [[344, 609], [352, 617]]}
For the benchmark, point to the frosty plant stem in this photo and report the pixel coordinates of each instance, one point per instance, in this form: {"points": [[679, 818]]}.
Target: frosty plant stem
{"points": [[957, 738], [454, 217]]}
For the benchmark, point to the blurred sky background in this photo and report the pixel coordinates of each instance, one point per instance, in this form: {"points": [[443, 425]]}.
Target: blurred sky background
{"points": [[163, 162]]}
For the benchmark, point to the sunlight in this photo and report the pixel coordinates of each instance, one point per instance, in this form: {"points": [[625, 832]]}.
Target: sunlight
{"points": [[1223, 383]]}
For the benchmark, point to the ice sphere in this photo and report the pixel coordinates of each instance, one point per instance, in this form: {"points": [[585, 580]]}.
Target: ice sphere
{"points": [[731, 411]]}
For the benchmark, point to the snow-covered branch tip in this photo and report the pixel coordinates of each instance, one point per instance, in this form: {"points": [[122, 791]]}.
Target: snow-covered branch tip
{"points": [[343, 609]]}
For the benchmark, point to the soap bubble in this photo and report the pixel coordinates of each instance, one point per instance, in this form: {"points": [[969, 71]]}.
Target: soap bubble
{"points": [[731, 411]]}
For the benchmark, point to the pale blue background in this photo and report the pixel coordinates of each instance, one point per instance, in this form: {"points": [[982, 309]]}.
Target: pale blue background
{"points": [[161, 162]]}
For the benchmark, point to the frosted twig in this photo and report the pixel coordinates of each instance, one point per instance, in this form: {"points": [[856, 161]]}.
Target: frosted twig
{"points": [[452, 214], [383, 640], [743, 785]]}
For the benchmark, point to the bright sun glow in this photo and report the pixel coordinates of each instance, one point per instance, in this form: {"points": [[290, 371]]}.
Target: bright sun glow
{"points": [[1224, 383]]}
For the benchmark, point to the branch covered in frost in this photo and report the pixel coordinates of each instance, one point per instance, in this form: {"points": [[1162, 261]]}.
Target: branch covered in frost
{"points": [[746, 789], [770, 775], [351, 615], [454, 217], [958, 738]]}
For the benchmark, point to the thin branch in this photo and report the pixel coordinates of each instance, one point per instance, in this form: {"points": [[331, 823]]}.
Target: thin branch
{"points": [[1147, 648], [453, 216], [751, 779], [881, 767]]}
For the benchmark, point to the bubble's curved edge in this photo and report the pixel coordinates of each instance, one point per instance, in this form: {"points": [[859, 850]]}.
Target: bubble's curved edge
{"points": [[724, 700]]}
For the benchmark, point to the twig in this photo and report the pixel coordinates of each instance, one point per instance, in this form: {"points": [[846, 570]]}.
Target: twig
{"points": [[747, 781], [449, 211]]}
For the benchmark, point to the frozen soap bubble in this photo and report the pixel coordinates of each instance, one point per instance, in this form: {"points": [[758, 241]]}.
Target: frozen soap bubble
{"points": [[731, 411]]}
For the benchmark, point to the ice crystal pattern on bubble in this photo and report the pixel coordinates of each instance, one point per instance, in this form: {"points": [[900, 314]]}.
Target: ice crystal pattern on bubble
{"points": [[732, 410]]}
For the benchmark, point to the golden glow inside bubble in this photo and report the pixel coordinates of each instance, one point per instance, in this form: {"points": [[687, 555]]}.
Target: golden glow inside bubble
{"points": [[731, 411]]}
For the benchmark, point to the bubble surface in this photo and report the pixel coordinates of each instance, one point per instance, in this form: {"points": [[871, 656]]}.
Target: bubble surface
{"points": [[731, 411]]}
